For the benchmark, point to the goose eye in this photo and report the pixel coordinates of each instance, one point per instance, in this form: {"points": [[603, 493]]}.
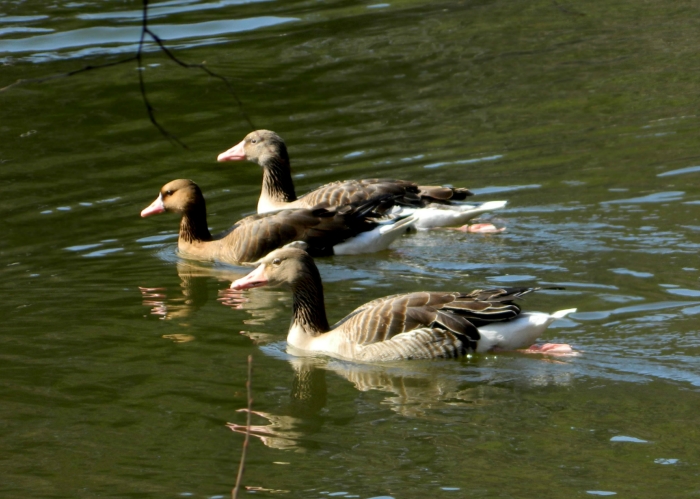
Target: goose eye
{"points": [[168, 193], [276, 262], [254, 141]]}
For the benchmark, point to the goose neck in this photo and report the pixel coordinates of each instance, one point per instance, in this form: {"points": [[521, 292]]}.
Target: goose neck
{"points": [[277, 180], [193, 225], [309, 311]]}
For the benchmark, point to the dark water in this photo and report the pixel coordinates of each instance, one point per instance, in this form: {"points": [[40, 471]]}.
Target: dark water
{"points": [[119, 365]]}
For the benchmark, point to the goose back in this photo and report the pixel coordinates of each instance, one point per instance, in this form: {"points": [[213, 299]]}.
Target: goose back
{"points": [[403, 192]]}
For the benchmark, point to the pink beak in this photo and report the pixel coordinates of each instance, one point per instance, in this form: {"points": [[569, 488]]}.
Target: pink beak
{"points": [[255, 279], [236, 153], [155, 207]]}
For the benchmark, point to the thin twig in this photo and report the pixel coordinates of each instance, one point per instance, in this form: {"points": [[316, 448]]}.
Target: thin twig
{"points": [[142, 84], [138, 57], [90, 67], [204, 68], [244, 450]]}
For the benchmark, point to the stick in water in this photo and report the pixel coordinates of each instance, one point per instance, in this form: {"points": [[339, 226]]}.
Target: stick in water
{"points": [[241, 466]]}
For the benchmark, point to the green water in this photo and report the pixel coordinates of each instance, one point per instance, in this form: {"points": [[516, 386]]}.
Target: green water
{"points": [[121, 365]]}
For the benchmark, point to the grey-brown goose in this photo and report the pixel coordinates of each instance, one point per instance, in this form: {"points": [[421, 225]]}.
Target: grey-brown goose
{"points": [[433, 206], [347, 230], [420, 325]]}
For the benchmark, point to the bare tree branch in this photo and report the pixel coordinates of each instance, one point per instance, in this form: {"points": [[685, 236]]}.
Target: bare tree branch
{"points": [[26, 81], [204, 68], [138, 58], [142, 85]]}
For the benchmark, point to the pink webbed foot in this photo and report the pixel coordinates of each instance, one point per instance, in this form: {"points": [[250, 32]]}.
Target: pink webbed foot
{"points": [[557, 349], [477, 228], [481, 229]]}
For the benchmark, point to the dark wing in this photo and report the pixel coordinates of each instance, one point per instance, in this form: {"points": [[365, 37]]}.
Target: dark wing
{"points": [[403, 192], [359, 191], [255, 236], [385, 318], [482, 307], [439, 194]]}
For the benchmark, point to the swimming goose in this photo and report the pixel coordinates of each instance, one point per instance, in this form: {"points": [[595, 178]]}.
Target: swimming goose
{"points": [[341, 231], [433, 206], [420, 325]]}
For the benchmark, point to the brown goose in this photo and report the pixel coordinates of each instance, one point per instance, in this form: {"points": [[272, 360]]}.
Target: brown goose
{"points": [[347, 230], [433, 206], [421, 325]]}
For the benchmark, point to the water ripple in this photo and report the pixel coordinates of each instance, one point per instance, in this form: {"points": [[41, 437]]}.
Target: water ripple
{"points": [[657, 197], [164, 9], [690, 169], [103, 35]]}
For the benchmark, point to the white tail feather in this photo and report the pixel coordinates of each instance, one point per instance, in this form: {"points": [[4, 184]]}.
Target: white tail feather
{"points": [[518, 333], [563, 313], [377, 239], [437, 215]]}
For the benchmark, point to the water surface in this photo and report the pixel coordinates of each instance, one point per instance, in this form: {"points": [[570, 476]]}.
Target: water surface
{"points": [[120, 365]]}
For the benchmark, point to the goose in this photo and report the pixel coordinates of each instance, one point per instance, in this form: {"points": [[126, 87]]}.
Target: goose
{"points": [[419, 325], [433, 206], [341, 231]]}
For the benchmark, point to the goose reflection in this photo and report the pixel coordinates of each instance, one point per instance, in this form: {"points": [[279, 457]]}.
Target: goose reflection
{"points": [[472, 382], [421, 390], [193, 293], [298, 419], [180, 302]]}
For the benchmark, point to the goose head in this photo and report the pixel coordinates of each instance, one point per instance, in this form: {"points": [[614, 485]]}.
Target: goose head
{"points": [[178, 196], [260, 146], [282, 267]]}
